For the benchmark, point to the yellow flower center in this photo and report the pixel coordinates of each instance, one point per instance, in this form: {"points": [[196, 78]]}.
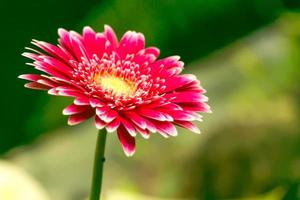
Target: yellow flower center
{"points": [[119, 86]]}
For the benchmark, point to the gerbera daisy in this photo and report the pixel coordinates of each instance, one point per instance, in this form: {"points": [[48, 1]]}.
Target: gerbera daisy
{"points": [[122, 84]]}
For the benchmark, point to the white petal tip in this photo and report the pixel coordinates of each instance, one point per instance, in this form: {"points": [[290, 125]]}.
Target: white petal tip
{"points": [[129, 154], [21, 76], [71, 123], [87, 28], [111, 130], [146, 136], [107, 27], [52, 92], [60, 30], [174, 134], [99, 127], [133, 134], [164, 135], [65, 112]]}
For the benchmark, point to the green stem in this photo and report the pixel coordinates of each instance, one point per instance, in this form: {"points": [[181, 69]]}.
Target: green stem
{"points": [[98, 166]]}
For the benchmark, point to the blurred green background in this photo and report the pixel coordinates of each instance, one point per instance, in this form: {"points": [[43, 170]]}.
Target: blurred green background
{"points": [[246, 54]]}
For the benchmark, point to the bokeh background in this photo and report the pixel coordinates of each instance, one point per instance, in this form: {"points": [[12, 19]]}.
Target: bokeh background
{"points": [[246, 54]]}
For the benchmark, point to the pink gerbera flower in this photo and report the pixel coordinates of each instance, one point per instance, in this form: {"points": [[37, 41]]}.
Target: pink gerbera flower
{"points": [[120, 83]]}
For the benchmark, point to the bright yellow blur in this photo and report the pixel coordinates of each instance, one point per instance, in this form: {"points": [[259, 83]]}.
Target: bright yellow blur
{"points": [[16, 184]]}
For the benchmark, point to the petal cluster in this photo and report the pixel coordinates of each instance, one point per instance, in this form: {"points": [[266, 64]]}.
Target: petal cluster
{"points": [[122, 84]]}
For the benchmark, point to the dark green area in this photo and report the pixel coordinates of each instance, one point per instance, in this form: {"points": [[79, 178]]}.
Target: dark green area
{"points": [[22, 21]]}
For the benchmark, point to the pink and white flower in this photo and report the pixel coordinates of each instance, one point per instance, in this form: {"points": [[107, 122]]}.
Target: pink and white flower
{"points": [[122, 84]]}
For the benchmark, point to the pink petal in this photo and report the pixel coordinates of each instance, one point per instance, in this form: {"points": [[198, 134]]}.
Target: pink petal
{"points": [[112, 126], [153, 114], [131, 42], [139, 125], [53, 50], [49, 69], [129, 127], [89, 37], [64, 38], [176, 82], [30, 77], [47, 82], [165, 128], [36, 86], [150, 126], [111, 37], [58, 65], [184, 97], [182, 115], [144, 133], [68, 87], [169, 106], [146, 57], [102, 110], [99, 123], [53, 91], [127, 141], [108, 116], [70, 93], [196, 106], [78, 118], [32, 56], [81, 101], [188, 125], [59, 80], [152, 50], [75, 109], [171, 63], [77, 47], [192, 86], [100, 44], [136, 119], [96, 102]]}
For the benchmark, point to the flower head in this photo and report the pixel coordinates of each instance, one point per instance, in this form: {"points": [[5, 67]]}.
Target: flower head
{"points": [[122, 84]]}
